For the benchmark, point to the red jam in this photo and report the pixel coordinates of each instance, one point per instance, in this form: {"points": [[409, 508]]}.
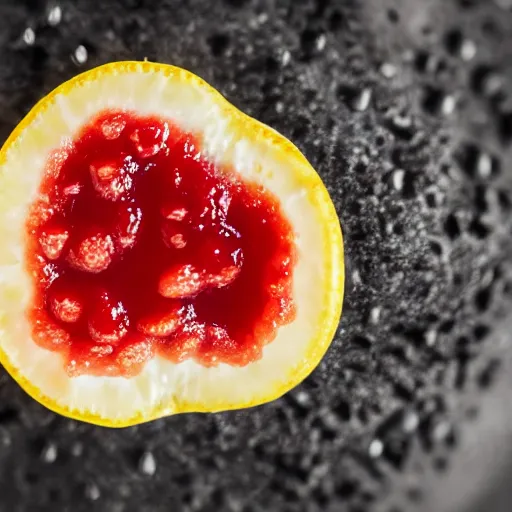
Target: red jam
{"points": [[139, 246]]}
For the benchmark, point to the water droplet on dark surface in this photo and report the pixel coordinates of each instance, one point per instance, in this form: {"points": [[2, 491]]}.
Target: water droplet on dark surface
{"points": [[457, 45], [147, 464], [388, 70], [80, 55], [54, 16], [436, 101], [49, 453], [312, 42], [376, 448], [92, 492], [357, 99], [468, 50], [398, 179], [487, 81], [77, 449], [410, 422], [374, 315], [477, 163], [29, 36]]}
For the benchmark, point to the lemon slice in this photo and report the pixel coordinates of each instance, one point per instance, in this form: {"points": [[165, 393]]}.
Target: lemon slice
{"points": [[162, 252]]}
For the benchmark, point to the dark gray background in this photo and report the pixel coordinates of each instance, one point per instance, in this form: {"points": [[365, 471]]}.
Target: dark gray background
{"points": [[405, 109]]}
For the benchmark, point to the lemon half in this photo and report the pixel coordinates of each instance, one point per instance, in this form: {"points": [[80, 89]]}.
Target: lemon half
{"points": [[229, 139]]}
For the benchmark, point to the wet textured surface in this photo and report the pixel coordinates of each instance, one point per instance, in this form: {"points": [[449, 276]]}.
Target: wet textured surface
{"points": [[404, 107]]}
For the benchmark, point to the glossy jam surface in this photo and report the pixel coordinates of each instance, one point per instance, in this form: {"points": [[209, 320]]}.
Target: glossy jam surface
{"points": [[139, 246]]}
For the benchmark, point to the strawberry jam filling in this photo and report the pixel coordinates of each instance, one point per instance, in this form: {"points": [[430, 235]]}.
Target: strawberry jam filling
{"points": [[139, 246]]}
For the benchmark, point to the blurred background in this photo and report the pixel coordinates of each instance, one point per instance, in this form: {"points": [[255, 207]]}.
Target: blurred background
{"points": [[405, 109]]}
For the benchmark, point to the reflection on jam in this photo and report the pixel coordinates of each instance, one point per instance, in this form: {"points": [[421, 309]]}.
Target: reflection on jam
{"points": [[139, 246]]}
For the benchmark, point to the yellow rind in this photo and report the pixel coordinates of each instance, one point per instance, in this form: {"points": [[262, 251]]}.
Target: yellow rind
{"points": [[332, 306]]}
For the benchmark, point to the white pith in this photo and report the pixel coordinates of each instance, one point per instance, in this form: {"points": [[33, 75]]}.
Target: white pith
{"points": [[161, 385]]}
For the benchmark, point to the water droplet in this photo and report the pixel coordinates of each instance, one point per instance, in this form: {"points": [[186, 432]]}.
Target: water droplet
{"points": [[430, 337], [263, 18], [376, 448], [388, 70], [311, 41], [398, 179], [356, 99], [77, 449], [361, 101], [54, 16], [147, 464], [29, 36], [320, 42], [49, 453], [467, 50], [375, 315], [441, 431], [303, 399], [92, 491], [459, 46], [484, 165], [5, 438], [436, 101], [411, 422], [476, 162], [356, 278], [488, 82], [285, 58], [80, 56], [448, 105]]}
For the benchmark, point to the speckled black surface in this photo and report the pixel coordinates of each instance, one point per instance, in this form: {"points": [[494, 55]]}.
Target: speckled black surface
{"points": [[405, 108]]}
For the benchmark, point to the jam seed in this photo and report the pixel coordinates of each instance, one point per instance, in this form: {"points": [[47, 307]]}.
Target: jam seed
{"points": [[66, 308], [185, 344], [93, 253], [181, 281], [113, 127], [226, 276], [52, 241], [113, 179], [160, 324], [132, 357], [170, 213], [47, 334], [172, 235]]}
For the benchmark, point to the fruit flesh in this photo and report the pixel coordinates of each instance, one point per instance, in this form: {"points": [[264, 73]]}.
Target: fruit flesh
{"points": [[139, 246]]}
